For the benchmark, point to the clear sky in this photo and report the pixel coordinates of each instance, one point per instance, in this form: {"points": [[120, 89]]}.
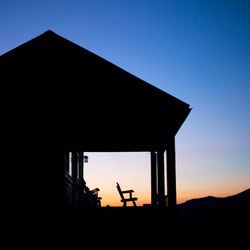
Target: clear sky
{"points": [[198, 51]]}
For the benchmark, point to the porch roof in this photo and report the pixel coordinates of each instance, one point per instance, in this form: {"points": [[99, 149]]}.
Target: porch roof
{"points": [[55, 87]]}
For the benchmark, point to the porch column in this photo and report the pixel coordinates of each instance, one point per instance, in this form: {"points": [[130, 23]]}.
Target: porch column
{"points": [[66, 169], [66, 161], [153, 179], [80, 165], [74, 164], [171, 177], [161, 178]]}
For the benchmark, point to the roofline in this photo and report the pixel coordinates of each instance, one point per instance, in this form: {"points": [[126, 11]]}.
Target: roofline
{"points": [[50, 32]]}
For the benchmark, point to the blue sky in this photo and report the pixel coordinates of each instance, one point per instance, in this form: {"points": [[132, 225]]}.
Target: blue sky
{"points": [[198, 51]]}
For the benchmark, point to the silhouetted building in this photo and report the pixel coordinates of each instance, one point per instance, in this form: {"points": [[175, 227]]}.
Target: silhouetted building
{"points": [[59, 96]]}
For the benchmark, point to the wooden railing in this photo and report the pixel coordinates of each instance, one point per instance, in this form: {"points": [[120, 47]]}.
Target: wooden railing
{"points": [[68, 190]]}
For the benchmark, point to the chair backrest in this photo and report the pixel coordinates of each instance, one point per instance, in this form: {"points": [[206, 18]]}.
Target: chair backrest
{"points": [[119, 190]]}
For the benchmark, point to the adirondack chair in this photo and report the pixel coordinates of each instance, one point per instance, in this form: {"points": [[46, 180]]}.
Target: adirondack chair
{"points": [[123, 199]]}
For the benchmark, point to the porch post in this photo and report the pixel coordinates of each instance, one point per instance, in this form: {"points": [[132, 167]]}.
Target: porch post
{"points": [[171, 177], [80, 165], [161, 178], [66, 169], [66, 161], [74, 165], [153, 179]]}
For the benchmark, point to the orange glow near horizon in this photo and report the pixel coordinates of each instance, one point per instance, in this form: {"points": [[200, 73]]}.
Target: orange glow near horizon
{"points": [[132, 171]]}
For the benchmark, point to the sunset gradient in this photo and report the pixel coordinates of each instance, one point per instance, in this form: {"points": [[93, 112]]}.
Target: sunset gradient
{"points": [[198, 51]]}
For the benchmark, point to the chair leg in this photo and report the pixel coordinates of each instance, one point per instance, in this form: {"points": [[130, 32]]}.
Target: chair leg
{"points": [[134, 203], [124, 204]]}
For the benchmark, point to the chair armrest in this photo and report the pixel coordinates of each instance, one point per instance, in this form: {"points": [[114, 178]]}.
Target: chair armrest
{"points": [[128, 191]]}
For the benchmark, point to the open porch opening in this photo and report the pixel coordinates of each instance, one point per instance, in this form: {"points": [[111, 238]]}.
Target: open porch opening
{"points": [[155, 185]]}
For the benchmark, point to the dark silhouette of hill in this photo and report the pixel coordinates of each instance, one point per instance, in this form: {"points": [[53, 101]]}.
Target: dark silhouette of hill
{"points": [[231, 209]]}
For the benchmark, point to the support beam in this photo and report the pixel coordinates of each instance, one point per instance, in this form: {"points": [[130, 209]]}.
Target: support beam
{"points": [[161, 178], [74, 161], [66, 161], [74, 164], [80, 165], [153, 179], [171, 176]]}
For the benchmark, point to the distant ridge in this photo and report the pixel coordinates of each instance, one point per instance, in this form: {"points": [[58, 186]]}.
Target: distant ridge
{"points": [[235, 207]]}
